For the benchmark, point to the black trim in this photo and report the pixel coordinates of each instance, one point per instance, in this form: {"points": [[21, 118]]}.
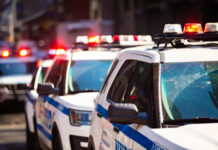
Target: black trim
{"points": [[75, 142]]}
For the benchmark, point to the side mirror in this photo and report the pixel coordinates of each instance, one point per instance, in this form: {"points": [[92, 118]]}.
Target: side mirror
{"points": [[23, 86], [46, 89], [126, 114]]}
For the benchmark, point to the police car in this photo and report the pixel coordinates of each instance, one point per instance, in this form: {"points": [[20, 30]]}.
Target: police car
{"points": [[30, 100], [15, 67], [63, 109], [161, 97]]}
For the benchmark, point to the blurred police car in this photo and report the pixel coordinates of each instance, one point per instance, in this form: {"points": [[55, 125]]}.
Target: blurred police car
{"points": [[63, 109], [15, 67], [31, 97], [162, 96]]}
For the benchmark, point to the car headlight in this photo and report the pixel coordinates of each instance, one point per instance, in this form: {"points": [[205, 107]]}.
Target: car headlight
{"points": [[79, 117]]}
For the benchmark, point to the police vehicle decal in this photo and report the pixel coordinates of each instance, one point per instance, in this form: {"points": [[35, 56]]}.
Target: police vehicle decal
{"points": [[29, 98], [128, 131], [47, 135], [58, 106]]}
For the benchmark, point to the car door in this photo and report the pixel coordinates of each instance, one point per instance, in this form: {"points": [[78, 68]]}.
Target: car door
{"points": [[45, 106], [115, 95], [139, 92], [116, 136]]}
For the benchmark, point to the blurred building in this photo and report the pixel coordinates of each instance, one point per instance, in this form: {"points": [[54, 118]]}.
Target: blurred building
{"points": [[149, 16], [46, 20]]}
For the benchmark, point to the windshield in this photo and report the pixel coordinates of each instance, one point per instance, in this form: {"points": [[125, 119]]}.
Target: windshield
{"points": [[17, 68], [87, 74], [190, 90]]}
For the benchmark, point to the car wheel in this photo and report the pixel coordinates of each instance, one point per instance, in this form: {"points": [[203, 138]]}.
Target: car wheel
{"points": [[30, 138], [56, 140]]}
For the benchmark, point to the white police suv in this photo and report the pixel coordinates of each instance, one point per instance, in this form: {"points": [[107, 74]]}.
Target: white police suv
{"points": [[30, 100], [15, 67], [63, 109], [162, 97]]}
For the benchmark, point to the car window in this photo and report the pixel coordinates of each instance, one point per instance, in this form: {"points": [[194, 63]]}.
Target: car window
{"points": [[115, 62], [189, 89], [134, 84], [57, 74], [121, 83], [87, 74]]}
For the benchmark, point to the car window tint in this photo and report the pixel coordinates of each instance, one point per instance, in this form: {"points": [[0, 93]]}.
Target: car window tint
{"points": [[121, 83], [87, 74], [114, 64]]}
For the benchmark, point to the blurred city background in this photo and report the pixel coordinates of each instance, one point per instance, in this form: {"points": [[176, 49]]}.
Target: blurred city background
{"points": [[41, 23], [46, 21]]}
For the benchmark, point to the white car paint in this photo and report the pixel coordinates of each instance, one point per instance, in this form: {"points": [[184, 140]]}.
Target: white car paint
{"points": [[138, 136]]}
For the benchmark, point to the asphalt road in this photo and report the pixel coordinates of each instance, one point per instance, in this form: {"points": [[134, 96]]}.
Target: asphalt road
{"points": [[12, 126]]}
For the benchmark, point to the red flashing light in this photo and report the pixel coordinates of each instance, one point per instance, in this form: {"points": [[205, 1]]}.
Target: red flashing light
{"points": [[118, 38], [5, 53], [23, 52], [193, 28]]}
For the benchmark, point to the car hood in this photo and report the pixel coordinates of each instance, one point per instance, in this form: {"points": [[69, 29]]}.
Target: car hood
{"points": [[194, 136], [15, 79], [80, 101]]}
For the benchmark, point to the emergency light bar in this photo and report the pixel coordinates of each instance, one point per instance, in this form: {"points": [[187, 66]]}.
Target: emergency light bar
{"points": [[116, 39], [192, 31]]}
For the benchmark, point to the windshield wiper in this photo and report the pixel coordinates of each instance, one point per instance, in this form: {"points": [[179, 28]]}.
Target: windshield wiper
{"points": [[192, 120], [83, 91]]}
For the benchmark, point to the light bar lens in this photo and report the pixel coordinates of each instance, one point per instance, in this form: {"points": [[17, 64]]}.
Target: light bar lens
{"points": [[172, 28], [143, 38], [106, 39], [78, 117], [193, 28], [94, 39], [82, 39], [5, 53], [211, 27]]}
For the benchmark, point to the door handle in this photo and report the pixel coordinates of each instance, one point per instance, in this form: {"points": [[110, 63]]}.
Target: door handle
{"points": [[116, 130], [99, 114]]}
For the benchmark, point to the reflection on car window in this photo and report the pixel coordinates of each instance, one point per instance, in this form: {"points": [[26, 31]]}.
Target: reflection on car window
{"points": [[87, 74], [190, 90]]}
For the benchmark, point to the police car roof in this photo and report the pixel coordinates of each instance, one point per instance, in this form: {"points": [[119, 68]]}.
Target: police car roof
{"points": [[92, 55], [18, 59], [189, 54]]}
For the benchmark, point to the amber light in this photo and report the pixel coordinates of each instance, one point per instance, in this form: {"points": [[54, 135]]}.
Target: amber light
{"points": [[5, 53], [193, 28], [94, 39]]}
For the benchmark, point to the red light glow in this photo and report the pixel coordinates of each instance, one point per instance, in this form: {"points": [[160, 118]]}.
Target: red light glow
{"points": [[193, 28], [5, 53], [23, 52]]}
